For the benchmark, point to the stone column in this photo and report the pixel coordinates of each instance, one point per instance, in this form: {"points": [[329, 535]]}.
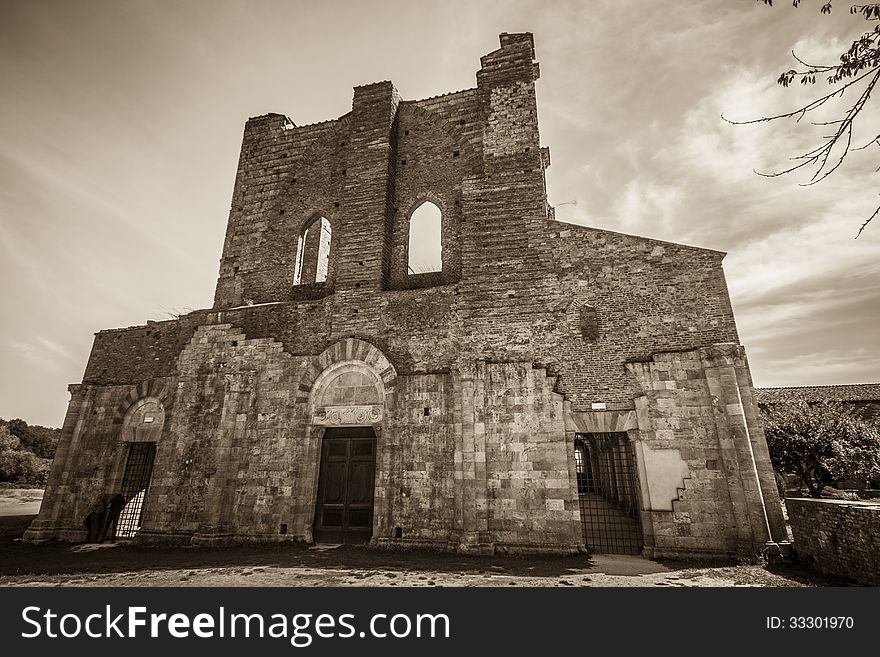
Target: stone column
{"points": [[471, 490]]}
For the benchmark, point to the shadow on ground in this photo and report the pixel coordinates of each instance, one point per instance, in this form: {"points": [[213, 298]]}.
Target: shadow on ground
{"points": [[58, 558], [298, 564]]}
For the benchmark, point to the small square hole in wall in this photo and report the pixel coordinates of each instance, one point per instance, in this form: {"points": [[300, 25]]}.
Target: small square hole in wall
{"points": [[281, 212], [235, 343], [398, 532], [235, 269], [293, 180], [336, 205], [354, 311], [427, 411], [283, 528], [456, 153], [405, 133], [403, 163]]}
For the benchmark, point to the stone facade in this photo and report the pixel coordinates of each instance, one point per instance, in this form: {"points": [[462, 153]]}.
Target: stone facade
{"points": [[476, 380], [837, 537]]}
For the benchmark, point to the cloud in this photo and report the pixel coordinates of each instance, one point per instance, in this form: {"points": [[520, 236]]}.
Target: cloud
{"points": [[44, 351]]}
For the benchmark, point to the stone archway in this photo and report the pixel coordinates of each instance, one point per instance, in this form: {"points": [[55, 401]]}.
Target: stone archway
{"points": [[346, 392]]}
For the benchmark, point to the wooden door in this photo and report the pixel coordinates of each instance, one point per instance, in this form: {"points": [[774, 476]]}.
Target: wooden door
{"points": [[344, 509]]}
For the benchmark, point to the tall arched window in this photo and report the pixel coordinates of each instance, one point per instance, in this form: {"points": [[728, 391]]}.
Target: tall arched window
{"points": [[425, 243], [313, 252]]}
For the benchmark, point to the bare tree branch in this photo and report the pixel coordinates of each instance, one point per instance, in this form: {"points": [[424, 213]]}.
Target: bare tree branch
{"points": [[860, 63]]}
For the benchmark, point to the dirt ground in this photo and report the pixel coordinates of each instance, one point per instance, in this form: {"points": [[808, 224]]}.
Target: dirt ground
{"points": [[122, 564]]}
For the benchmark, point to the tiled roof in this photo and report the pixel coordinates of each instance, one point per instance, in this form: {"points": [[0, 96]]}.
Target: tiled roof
{"points": [[847, 393]]}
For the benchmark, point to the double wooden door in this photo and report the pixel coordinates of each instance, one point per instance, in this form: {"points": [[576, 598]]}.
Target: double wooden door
{"points": [[344, 510]]}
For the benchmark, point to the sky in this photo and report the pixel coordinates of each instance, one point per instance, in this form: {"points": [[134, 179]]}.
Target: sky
{"points": [[121, 121]]}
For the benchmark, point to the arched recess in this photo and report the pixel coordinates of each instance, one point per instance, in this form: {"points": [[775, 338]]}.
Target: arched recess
{"points": [[425, 251], [313, 251], [356, 355], [345, 394], [142, 417]]}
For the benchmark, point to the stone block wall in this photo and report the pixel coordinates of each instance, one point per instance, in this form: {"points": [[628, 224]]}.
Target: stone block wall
{"points": [[698, 406], [837, 537]]}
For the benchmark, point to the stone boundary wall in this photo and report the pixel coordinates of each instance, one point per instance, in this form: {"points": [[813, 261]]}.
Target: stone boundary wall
{"points": [[837, 537]]}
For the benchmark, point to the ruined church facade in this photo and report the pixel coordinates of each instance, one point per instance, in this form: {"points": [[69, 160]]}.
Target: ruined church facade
{"points": [[549, 388]]}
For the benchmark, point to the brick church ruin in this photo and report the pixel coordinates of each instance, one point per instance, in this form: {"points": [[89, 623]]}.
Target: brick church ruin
{"points": [[549, 387]]}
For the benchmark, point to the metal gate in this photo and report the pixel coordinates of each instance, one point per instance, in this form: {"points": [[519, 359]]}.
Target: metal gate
{"points": [[135, 481], [607, 493], [344, 510]]}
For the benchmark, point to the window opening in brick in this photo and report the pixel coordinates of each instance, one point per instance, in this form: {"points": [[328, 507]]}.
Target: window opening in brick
{"points": [[425, 239], [606, 483], [313, 252]]}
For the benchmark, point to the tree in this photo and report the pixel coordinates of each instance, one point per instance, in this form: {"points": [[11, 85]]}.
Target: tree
{"points": [[821, 443], [858, 71], [18, 465]]}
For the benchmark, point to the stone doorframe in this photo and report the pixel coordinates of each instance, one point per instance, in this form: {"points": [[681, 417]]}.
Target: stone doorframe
{"points": [[613, 422], [350, 384]]}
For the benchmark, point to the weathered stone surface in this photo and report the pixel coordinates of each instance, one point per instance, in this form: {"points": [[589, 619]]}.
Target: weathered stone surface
{"points": [[476, 379], [837, 537]]}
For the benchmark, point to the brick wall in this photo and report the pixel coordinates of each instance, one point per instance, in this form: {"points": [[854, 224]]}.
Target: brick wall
{"points": [[837, 537]]}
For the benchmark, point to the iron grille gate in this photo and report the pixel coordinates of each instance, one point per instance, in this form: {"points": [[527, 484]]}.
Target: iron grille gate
{"points": [[138, 470], [607, 493]]}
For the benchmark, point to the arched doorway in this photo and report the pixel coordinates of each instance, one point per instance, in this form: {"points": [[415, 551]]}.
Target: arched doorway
{"points": [[142, 428], [346, 395]]}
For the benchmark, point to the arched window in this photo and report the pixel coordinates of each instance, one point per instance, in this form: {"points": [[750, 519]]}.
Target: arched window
{"points": [[313, 252], [425, 244]]}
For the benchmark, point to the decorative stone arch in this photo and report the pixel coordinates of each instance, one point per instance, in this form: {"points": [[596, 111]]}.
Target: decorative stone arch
{"points": [[156, 389], [346, 356], [350, 384], [144, 421]]}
